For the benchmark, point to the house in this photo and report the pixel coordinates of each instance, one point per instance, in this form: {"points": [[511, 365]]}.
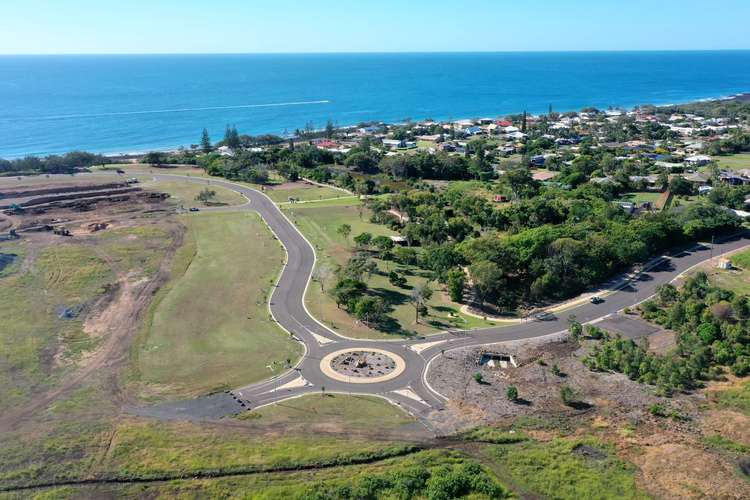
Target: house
{"points": [[501, 198], [543, 176], [393, 143], [697, 178], [225, 151], [538, 160], [733, 179], [627, 206], [698, 160], [473, 130], [504, 123]]}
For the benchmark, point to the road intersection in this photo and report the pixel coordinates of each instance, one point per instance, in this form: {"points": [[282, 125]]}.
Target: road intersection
{"points": [[408, 389]]}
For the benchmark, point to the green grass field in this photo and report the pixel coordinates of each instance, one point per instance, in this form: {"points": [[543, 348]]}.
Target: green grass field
{"points": [[185, 193], [319, 223], [642, 196], [734, 162], [210, 327], [737, 279], [566, 468], [433, 474], [303, 192]]}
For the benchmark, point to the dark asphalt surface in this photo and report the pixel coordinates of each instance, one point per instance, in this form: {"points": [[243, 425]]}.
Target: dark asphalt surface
{"points": [[414, 395]]}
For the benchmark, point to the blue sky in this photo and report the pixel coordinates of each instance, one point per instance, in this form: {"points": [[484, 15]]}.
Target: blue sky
{"points": [[219, 26]]}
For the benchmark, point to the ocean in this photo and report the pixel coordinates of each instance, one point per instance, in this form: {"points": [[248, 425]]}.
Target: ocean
{"points": [[135, 103]]}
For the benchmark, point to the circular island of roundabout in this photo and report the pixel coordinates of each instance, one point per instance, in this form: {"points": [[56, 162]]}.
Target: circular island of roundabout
{"points": [[362, 366]]}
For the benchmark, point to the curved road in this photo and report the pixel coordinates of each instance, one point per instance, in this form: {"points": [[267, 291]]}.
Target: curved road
{"points": [[409, 389]]}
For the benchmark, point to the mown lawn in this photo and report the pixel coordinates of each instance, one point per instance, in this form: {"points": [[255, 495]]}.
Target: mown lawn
{"points": [[734, 162], [642, 196], [210, 328], [319, 223]]}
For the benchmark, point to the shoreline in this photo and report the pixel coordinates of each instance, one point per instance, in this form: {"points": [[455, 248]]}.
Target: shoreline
{"points": [[740, 97]]}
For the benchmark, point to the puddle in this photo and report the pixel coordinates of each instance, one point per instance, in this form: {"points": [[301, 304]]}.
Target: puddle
{"points": [[6, 259]]}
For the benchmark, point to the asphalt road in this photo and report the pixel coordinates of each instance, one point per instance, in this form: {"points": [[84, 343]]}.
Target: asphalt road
{"points": [[409, 390]]}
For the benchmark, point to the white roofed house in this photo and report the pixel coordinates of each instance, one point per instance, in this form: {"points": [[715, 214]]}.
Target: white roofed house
{"points": [[698, 160]]}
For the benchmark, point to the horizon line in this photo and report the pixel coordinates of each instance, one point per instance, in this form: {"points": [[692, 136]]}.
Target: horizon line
{"points": [[373, 52]]}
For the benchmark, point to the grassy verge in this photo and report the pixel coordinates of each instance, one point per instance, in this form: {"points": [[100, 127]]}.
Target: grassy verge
{"points": [[210, 328], [333, 412]]}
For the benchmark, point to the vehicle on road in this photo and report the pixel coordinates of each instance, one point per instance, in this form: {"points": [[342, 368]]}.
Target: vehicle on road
{"points": [[545, 316], [596, 299], [194, 209]]}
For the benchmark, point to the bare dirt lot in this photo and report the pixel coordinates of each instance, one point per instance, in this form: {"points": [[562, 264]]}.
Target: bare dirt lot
{"points": [[87, 246]]}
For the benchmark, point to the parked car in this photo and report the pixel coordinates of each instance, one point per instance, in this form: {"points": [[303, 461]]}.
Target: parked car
{"points": [[596, 299]]}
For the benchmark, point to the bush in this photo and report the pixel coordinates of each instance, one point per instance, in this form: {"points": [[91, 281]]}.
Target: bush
{"points": [[511, 393]]}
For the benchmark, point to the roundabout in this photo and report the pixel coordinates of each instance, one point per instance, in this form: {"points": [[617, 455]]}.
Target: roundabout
{"points": [[362, 366]]}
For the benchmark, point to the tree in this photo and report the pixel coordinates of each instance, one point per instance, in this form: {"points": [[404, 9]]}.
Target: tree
{"points": [[330, 129], [321, 274], [396, 279], [420, 294], [524, 122], [576, 330], [383, 243], [206, 142], [511, 393], [363, 240], [568, 395], [206, 195], [155, 158], [456, 284], [478, 378], [345, 230], [347, 291], [370, 310], [232, 138], [667, 293]]}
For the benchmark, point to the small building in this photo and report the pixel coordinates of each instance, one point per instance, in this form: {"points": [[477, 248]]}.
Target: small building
{"points": [[725, 264], [393, 143], [698, 160], [399, 240]]}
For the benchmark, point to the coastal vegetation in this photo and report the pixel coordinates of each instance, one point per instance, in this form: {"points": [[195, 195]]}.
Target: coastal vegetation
{"points": [[711, 326]]}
